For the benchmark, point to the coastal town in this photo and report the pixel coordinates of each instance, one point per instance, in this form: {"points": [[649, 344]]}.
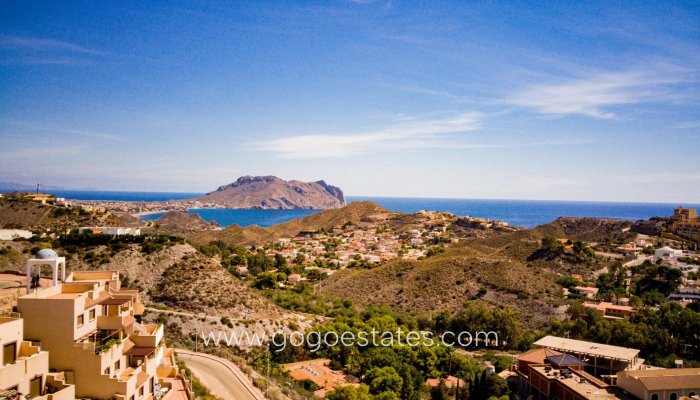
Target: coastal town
{"points": [[377, 239]]}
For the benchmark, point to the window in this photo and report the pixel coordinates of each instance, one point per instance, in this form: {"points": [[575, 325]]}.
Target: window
{"points": [[92, 314], [117, 365], [106, 371], [9, 353], [674, 396], [141, 391], [35, 387], [654, 396], [81, 320], [691, 394]]}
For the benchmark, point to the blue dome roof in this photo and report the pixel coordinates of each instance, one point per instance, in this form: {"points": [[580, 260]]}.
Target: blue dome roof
{"points": [[45, 254]]}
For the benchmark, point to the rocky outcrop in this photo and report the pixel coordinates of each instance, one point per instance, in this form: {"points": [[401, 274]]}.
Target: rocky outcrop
{"points": [[273, 193]]}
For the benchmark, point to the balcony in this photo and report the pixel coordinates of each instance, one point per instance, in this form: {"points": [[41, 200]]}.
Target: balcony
{"points": [[168, 367], [58, 389], [146, 335], [101, 341], [31, 362], [116, 322]]}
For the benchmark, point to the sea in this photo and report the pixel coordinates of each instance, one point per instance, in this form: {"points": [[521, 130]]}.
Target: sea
{"points": [[528, 213]]}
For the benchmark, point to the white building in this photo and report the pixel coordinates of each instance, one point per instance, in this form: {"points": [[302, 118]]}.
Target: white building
{"points": [[110, 230], [9, 234], [667, 252]]}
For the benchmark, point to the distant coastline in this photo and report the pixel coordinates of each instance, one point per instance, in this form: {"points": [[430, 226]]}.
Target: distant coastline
{"points": [[528, 213]]}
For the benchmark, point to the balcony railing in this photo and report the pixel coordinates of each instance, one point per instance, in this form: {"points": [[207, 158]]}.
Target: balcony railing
{"points": [[101, 341]]}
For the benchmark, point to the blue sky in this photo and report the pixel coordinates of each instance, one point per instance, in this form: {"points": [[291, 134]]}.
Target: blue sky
{"points": [[571, 101]]}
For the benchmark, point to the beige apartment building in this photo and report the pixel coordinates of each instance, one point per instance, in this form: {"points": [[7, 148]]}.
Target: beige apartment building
{"points": [[90, 326], [24, 367], [686, 223]]}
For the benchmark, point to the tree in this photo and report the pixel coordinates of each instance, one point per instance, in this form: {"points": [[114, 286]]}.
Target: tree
{"points": [[384, 379], [265, 280], [568, 281], [280, 261], [349, 393], [552, 245]]}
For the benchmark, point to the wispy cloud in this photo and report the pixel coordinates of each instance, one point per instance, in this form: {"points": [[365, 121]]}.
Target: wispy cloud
{"points": [[662, 177], [594, 95], [688, 125], [416, 133], [31, 127], [45, 44], [47, 51], [32, 154]]}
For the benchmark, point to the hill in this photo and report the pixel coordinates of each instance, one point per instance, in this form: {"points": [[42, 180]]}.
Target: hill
{"points": [[18, 213], [177, 221], [497, 269], [327, 219], [586, 229], [273, 193], [198, 284]]}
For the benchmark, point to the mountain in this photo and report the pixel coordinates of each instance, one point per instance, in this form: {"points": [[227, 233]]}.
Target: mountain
{"points": [[256, 235], [273, 193]]}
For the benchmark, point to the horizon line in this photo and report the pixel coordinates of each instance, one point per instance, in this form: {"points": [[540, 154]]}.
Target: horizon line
{"points": [[679, 204]]}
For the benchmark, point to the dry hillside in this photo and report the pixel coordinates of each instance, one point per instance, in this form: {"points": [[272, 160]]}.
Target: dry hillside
{"points": [[30, 215], [497, 269], [177, 222], [327, 219], [586, 229], [199, 284]]}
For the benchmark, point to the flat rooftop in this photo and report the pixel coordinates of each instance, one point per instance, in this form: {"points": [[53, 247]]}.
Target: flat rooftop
{"points": [[588, 348], [666, 379], [582, 384]]}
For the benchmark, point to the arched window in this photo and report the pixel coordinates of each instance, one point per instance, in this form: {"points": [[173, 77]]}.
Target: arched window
{"points": [[674, 396], [691, 394], [654, 396]]}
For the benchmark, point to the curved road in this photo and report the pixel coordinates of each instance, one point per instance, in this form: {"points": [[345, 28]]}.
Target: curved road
{"points": [[221, 376]]}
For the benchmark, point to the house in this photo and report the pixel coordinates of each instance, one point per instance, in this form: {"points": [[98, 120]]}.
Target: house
{"points": [[319, 372], [293, 279], [589, 292], [42, 198], [610, 310], [450, 382], [660, 384], [667, 252], [630, 249], [110, 230], [24, 367]]}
